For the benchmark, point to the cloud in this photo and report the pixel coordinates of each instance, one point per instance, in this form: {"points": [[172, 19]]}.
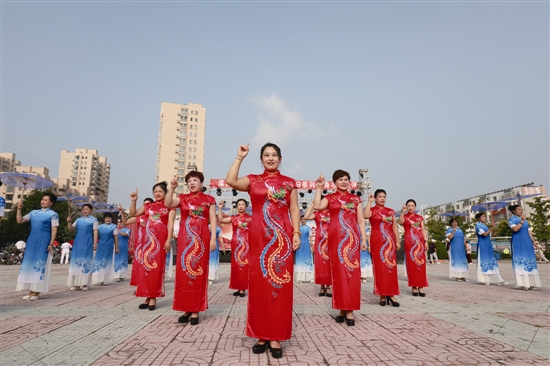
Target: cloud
{"points": [[279, 123]]}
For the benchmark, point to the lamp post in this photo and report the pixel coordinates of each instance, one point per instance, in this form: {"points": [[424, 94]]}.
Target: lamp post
{"points": [[364, 183]]}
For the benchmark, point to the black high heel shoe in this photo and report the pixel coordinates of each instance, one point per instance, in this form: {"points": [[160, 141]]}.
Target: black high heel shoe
{"points": [[236, 293], [383, 302], [184, 318], [323, 292], [415, 293], [392, 302], [241, 294], [328, 292], [145, 305], [275, 352], [340, 318], [152, 307], [350, 322], [259, 348], [194, 321]]}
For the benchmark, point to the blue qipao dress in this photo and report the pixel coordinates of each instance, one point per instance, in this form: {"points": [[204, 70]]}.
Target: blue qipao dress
{"points": [[214, 265], [82, 255], [121, 258], [487, 266], [303, 266], [34, 274], [524, 261], [104, 262], [458, 264]]}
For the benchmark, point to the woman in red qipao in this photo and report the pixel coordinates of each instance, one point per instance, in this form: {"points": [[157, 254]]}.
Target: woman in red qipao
{"points": [[383, 244], [274, 234], [137, 236], [321, 256], [195, 241], [159, 226], [240, 223], [346, 224], [415, 247]]}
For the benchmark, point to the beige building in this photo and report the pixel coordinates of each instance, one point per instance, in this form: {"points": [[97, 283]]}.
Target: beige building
{"points": [[87, 173], [180, 142], [13, 195]]}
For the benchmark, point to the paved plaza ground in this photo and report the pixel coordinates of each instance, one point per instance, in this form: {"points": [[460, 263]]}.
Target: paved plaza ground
{"points": [[456, 324]]}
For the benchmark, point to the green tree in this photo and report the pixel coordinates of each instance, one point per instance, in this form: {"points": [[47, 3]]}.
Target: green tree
{"points": [[436, 230], [11, 231], [503, 229], [540, 219]]}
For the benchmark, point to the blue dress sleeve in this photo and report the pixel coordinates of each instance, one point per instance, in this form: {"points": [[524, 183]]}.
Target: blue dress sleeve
{"points": [[513, 221]]}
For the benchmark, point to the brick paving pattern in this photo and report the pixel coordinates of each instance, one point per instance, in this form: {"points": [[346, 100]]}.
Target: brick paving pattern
{"points": [[455, 324]]}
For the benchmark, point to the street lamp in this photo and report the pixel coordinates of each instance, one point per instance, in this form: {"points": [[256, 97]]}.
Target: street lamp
{"points": [[364, 183]]}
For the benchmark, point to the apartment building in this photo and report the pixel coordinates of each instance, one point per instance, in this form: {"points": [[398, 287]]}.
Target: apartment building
{"points": [[181, 142], [88, 173]]}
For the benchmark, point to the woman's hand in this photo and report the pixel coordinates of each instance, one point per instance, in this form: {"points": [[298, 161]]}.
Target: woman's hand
{"points": [[134, 195], [50, 248], [371, 198], [116, 250], [243, 151], [19, 206], [69, 220], [212, 244], [167, 246], [120, 209], [174, 183], [403, 209], [295, 241], [95, 247], [364, 244], [320, 182], [397, 244], [220, 204]]}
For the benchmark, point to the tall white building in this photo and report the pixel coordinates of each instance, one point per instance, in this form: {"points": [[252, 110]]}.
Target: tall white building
{"points": [[180, 142], [87, 172]]}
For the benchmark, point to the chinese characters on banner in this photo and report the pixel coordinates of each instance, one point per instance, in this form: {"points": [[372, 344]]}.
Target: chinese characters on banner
{"points": [[300, 184]]}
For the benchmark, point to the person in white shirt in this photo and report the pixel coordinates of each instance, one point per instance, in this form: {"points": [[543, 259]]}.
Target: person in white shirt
{"points": [[65, 252], [20, 245], [540, 251]]}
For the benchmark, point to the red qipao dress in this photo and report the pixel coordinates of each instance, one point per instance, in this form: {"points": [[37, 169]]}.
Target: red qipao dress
{"points": [[415, 250], [383, 251], [239, 252], [321, 254], [190, 290], [271, 266], [151, 279], [138, 238], [344, 243]]}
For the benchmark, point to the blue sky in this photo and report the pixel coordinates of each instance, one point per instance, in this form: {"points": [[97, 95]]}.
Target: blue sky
{"points": [[439, 100]]}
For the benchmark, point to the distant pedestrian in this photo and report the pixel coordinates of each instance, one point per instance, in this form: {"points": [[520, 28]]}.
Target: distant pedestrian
{"points": [[65, 252], [432, 250], [540, 250], [469, 251], [20, 245]]}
